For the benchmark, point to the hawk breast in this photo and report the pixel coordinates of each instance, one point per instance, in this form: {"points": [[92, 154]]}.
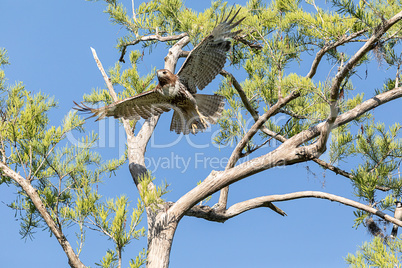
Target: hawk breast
{"points": [[170, 90]]}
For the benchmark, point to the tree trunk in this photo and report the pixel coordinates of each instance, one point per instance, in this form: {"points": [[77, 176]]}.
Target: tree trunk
{"points": [[161, 225], [161, 229]]}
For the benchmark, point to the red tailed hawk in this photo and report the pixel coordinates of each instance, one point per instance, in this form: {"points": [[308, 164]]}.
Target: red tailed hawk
{"points": [[192, 111]]}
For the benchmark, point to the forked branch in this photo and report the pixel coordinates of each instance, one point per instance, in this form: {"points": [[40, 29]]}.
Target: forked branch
{"points": [[344, 39], [316, 149], [210, 214], [278, 137], [249, 135], [285, 154], [248, 105], [257, 125]]}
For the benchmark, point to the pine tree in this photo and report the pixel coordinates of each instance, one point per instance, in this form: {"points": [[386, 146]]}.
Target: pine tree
{"points": [[331, 113]]}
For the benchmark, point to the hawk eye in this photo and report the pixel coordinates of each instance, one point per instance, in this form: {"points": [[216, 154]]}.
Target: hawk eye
{"points": [[164, 72]]}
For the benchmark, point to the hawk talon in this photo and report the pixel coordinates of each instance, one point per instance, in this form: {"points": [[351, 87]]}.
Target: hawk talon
{"points": [[203, 119], [194, 127]]}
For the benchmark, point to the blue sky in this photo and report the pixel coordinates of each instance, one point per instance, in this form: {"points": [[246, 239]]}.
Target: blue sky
{"points": [[48, 44]]}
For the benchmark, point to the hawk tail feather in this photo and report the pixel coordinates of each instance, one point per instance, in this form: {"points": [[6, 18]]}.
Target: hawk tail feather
{"points": [[210, 108]]}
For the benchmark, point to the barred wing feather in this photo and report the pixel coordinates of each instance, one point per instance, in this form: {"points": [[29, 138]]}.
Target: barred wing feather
{"points": [[142, 105], [208, 58]]}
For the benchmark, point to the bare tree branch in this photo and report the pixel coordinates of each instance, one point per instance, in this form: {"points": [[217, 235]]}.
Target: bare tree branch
{"points": [[344, 173], [276, 136], [249, 135], [257, 125], [328, 47], [175, 52], [112, 92], [313, 132], [287, 153], [292, 114], [133, 10], [136, 144], [249, 107], [241, 93], [333, 168], [318, 147], [344, 118], [370, 44], [216, 215], [252, 203], [154, 37], [242, 39], [368, 105], [210, 214], [73, 259], [224, 192], [105, 77]]}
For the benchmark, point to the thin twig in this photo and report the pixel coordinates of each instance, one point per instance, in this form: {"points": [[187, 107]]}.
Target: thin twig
{"points": [[374, 10], [292, 114], [43, 161]]}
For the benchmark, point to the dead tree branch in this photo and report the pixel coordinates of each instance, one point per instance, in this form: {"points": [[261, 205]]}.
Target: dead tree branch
{"points": [[257, 125], [328, 47], [317, 148], [154, 37], [286, 154], [280, 138], [224, 192], [249, 107], [344, 173], [253, 45], [241, 93], [333, 168], [112, 92], [210, 214], [249, 135]]}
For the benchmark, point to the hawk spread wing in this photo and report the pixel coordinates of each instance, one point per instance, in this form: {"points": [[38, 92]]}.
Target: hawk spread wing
{"points": [[142, 105], [208, 58], [193, 112]]}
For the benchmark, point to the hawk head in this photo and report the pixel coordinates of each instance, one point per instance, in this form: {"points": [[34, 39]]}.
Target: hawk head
{"points": [[166, 77]]}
